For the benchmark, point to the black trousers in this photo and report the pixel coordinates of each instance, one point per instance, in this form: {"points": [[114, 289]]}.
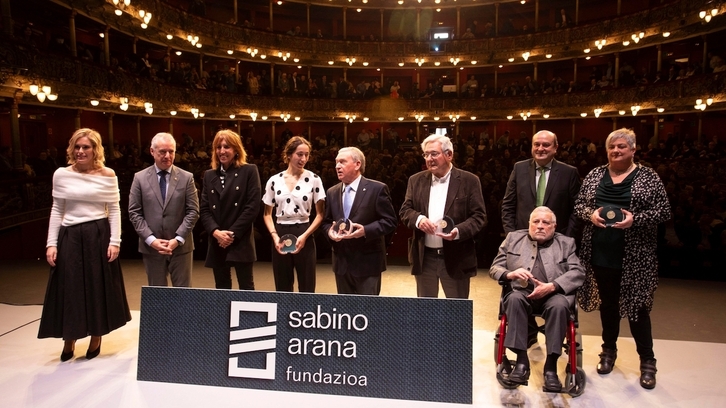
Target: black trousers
{"points": [[223, 277], [608, 284], [284, 266], [555, 310]]}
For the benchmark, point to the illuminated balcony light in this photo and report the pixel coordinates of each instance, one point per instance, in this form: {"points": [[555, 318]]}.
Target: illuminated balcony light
{"points": [[667, 34], [626, 43], [297, 118], [230, 52], [365, 63], [172, 113], [33, 89], [546, 115], [199, 45], [622, 112], [94, 102], [511, 60], [473, 118], [178, 53], [473, 62], [548, 56], [264, 118], [232, 116], [661, 110], [587, 50], [253, 115], [525, 55], [400, 64], [118, 12], [169, 36], [400, 118], [331, 62], [144, 26], [201, 114], [583, 114], [437, 63], [509, 117], [52, 97]]}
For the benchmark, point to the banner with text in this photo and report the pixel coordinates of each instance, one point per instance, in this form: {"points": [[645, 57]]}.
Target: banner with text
{"points": [[366, 346]]}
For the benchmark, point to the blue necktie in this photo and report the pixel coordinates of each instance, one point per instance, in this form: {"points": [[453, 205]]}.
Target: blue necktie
{"points": [[347, 201], [162, 184]]}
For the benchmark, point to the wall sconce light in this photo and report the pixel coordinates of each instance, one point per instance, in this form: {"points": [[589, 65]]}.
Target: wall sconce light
{"points": [[94, 102], [546, 115]]}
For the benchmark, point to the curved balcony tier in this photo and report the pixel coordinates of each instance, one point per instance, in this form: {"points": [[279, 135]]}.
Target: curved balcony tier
{"points": [[680, 19]]}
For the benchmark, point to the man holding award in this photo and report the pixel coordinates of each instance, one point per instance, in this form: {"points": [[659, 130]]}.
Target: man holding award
{"points": [[445, 208], [358, 216]]}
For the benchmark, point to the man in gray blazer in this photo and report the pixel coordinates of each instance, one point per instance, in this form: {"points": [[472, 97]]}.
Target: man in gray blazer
{"points": [[164, 206], [560, 185], [432, 195], [544, 273]]}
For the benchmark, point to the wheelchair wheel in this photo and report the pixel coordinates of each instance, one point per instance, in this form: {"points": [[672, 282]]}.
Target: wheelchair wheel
{"points": [[575, 384]]}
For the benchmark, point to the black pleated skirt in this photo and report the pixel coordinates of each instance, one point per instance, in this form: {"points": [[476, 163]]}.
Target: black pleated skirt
{"points": [[85, 294]]}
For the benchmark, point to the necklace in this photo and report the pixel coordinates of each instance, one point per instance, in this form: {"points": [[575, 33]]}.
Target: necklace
{"points": [[620, 173]]}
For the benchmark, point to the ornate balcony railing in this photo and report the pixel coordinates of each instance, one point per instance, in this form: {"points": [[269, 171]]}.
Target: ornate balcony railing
{"points": [[679, 18], [77, 82]]}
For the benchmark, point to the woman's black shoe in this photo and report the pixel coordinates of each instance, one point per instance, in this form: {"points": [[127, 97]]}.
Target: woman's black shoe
{"points": [[647, 374], [93, 354], [67, 355], [607, 361]]}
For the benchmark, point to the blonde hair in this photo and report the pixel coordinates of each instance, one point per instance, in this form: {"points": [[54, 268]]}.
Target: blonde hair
{"points": [[94, 137], [235, 142]]}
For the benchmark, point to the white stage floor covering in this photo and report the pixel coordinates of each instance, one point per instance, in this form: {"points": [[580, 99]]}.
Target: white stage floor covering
{"points": [[32, 375]]}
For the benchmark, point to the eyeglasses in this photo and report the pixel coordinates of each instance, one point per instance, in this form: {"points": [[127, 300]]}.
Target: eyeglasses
{"points": [[433, 155]]}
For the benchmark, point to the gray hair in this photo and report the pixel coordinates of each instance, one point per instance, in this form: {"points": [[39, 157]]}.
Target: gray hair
{"points": [[446, 144], [161, 136], [622, 133], [545, 209], [357, 155]]}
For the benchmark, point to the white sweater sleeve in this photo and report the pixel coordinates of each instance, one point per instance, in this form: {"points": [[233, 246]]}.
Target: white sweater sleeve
{"points": [[56, 217], [114, 220]]}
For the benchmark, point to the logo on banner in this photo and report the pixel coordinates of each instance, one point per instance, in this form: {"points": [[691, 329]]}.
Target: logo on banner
{"points": [[253, 340]]}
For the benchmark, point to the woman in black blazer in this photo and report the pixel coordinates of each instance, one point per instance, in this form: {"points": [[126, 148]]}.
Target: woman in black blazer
{"points": [[229, 206]]}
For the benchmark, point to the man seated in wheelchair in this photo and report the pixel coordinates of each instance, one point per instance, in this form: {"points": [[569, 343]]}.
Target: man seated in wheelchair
{"points": [[544, 273]]}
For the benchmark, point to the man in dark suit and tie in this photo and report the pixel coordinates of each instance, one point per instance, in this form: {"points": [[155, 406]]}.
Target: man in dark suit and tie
{"points": [[163, 207], [359, 249], [538, 181], [432, 195]]}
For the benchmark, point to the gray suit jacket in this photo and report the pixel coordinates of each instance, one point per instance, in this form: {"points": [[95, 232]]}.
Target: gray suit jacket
{"points": [[560, 262], [520, 197], [464, 204], [176, 217]]}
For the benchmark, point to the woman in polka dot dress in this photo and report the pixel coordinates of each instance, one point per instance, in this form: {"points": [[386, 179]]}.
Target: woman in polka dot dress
{"points": [[289, 198]]}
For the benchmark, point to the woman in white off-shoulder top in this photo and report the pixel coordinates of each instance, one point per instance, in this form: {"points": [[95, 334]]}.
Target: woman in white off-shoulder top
{"points": [[85, 294]]}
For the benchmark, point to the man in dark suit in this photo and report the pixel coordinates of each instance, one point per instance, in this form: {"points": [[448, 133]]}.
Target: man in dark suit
{"points": [[433, 194], [558, 187], [544, 274], [163, 207], [359, 249]]}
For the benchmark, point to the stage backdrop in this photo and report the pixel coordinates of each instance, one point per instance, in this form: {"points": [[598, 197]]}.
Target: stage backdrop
{"points": [[368, 346]]}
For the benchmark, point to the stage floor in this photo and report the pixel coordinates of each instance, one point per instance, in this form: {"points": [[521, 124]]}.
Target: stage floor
{"points": [[31, 375]]}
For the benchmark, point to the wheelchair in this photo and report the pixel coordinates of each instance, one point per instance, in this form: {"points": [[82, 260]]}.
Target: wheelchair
{"points": [[575, 378]]}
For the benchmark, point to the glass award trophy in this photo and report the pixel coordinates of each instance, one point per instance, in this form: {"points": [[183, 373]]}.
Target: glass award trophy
{"points": [[289, 243], [343, 226], [611, 215], [446, 225]]}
